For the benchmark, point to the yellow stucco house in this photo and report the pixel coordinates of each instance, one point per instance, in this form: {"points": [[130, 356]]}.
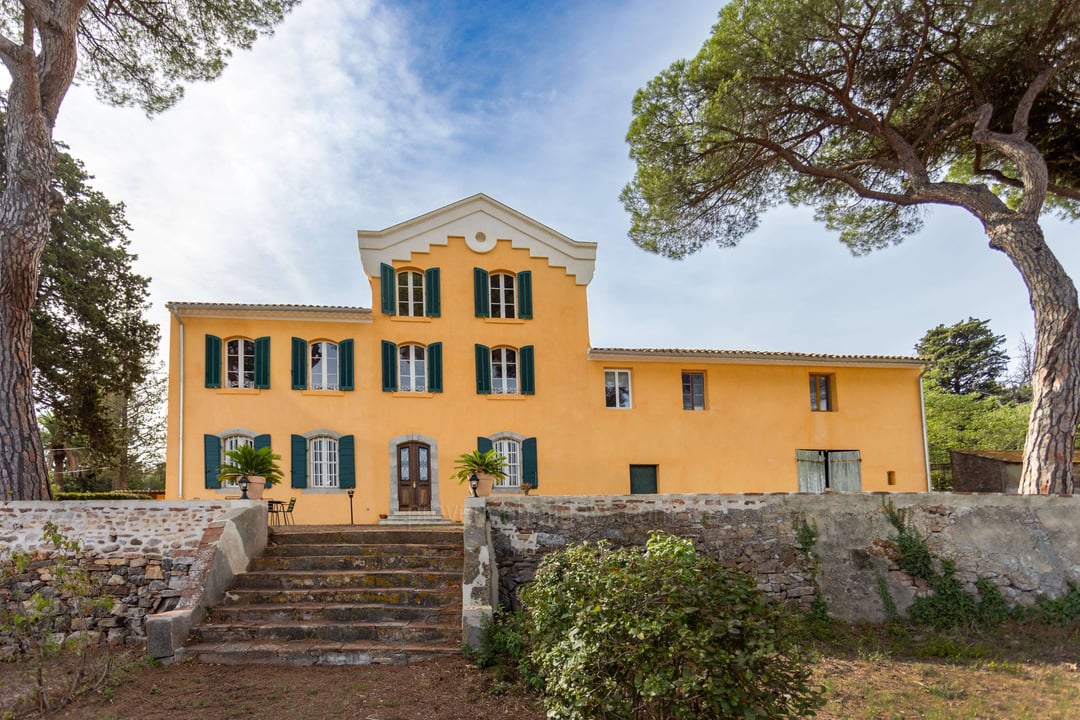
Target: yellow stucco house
{"points": [[479, 338]]}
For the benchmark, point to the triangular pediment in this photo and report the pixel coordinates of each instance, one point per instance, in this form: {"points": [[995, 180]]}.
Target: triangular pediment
{"points": [[482, 221]]}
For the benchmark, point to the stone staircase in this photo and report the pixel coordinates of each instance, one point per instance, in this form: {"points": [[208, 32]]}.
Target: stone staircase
{"points": [[341, 596]]}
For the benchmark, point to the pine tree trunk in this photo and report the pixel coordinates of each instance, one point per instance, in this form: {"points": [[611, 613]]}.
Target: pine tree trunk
{"points": [[24, 228], [1055, 403]]}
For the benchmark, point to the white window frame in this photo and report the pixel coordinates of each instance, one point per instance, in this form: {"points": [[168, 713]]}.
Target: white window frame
{"points": [[503, 287], [410, 358], [501, 380], [321, 376], [613, 378], [235, 347], [406, 294], [231, 442], [510, 449], [323, 466]]}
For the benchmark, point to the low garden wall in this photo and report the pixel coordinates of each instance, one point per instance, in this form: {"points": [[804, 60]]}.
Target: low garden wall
{"points": [[152, 558], [1025, 545]]}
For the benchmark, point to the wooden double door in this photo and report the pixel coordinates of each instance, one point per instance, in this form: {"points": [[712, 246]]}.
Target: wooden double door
{"points": [[414, 476]]}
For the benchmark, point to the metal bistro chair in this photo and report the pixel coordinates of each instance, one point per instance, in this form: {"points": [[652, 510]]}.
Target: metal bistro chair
{"points": [[280, 513]]}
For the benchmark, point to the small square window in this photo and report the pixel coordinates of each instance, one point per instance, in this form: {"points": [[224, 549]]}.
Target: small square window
{"points": [[693, 390], [822, 393]]}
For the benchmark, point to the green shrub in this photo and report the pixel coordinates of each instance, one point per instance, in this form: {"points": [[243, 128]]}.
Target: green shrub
{"points": [[660, 633], [111, 495]]}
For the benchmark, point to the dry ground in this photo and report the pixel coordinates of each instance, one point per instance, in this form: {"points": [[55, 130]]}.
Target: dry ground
{"points": [[1016, 673]]}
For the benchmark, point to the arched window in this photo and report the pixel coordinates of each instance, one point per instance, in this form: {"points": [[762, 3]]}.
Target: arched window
{"points": [[231, 442], [503, 301], [323, 462], [410, 293], [240, 363], [324, 365], [504, 371], [510, 449], [412, 370]]}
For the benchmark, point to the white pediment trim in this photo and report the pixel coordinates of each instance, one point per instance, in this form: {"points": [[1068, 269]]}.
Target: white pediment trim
{"points": [[482, 221]]}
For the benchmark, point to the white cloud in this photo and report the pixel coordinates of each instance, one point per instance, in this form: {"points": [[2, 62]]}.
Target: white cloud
{"points": [[363, 114]]}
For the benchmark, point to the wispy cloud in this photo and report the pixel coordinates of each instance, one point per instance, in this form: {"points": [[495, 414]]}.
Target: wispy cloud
{"points": [[363, 114]]}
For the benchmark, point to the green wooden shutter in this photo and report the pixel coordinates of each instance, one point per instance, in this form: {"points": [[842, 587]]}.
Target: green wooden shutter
{"points": [[484, 444], [389, 366], [262, 363], [299, 364], [213, 361], [483, 370], [261, 441], [345, 365], [481, 293], [527, 361], [524, 289], [810, 467], [211, 460], [298, 460], [844, 473], [346, 451], [528, 462], [388, 288], [432, 292], [434, 369]]}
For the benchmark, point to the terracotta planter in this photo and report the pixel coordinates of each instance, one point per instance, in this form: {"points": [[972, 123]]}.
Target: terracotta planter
{"points": [[256, 485], [486, 482]]}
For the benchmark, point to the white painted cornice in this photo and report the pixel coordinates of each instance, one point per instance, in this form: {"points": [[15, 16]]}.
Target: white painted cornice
{"points": [[270, 312], [482, 221]]}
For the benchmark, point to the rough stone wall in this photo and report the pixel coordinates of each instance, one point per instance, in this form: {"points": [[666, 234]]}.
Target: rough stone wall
{"points": [[139, 553], [1026, 545]]}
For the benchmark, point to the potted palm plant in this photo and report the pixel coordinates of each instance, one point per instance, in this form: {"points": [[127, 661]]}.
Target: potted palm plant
{"points": [[259, 467], [486, 466]]}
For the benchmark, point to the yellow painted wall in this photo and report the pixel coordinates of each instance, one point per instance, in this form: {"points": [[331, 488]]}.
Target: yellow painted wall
{"points": [[757, 412]]}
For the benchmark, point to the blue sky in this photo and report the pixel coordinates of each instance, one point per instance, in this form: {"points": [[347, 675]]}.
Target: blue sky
{"points": [[359, 115]]}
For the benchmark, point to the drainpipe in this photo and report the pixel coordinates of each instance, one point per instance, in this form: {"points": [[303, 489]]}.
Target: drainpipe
{"points": [[926, 442], [180, 421]]}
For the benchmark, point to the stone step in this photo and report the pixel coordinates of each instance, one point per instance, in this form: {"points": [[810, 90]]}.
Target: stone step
{"points": [[301, 563], [421, 597], [367, 536], [282, 580], [339, 596], [318, 652], [337, 612], [383, 632], [376, 550]]}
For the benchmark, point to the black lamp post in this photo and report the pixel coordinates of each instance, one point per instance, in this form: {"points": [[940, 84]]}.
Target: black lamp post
{"points": [[244, 483], [350, 494], [474, 482]]}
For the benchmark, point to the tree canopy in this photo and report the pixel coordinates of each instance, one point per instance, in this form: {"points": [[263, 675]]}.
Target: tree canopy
{"points": [[966, 357], [867, 111], [91, 337], [133, 52]]}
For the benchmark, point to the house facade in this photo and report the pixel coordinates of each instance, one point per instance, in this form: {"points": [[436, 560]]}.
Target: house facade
{"points": [[478, 338]]}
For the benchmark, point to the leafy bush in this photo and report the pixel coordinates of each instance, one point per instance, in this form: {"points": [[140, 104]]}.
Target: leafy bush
{"points": [[111, 495], [660, 633]]}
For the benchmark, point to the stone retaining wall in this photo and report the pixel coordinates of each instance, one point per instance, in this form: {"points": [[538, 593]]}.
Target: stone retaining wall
{"points": [[1026, 545], [148, 556]]}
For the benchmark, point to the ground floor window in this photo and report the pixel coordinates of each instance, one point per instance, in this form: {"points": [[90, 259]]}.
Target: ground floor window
{"points": [[510, 449], [323, 459], [643, 479], [232, 442], [821, 470]]}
